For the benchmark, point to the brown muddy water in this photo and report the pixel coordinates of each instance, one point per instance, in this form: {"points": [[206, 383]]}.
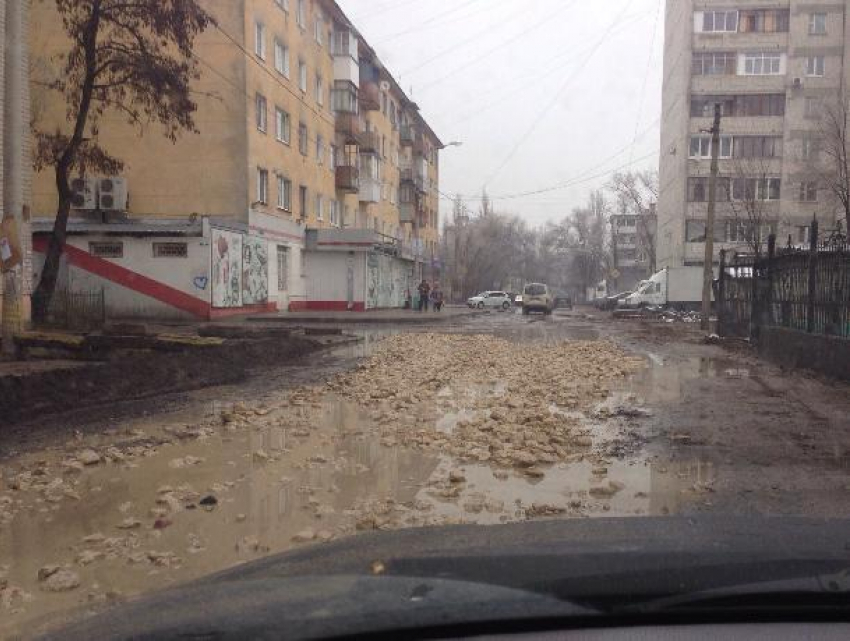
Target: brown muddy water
{"points": [[172, 498]]}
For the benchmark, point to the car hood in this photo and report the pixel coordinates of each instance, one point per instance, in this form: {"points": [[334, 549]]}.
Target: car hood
{"points": [[429, 576]]}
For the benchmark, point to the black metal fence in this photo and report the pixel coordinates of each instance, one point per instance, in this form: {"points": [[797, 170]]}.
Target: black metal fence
{"points": [[803, 288], [82, 311]]}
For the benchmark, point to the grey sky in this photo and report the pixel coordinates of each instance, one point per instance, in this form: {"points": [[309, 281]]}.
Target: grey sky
{"points": [[541, 92]]}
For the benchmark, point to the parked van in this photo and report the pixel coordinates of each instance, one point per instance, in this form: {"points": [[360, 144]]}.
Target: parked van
{"points": [[536, 297]]}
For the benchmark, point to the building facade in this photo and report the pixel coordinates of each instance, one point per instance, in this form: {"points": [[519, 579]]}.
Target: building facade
{"points": [[777, 69], [300, 130], [633, 241]]}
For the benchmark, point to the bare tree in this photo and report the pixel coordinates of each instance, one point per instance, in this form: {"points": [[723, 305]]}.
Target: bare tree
{"points": [[752, 187], [132, 57], [833, 171], [636, 192]]}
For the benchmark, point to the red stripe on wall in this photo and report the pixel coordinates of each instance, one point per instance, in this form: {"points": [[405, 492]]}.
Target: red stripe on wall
{"points": [[130, 279], [328, 306]]}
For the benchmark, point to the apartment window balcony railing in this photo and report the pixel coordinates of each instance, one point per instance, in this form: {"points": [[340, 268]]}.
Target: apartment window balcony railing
{"points": [[412, 176], [370, 141], [344, 98], [348, 128], [344, 43], [370, 95], [407, 134], [347, 179]]}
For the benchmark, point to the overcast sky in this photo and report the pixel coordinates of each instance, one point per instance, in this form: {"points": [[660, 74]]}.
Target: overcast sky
{"points": [[540, 92]]}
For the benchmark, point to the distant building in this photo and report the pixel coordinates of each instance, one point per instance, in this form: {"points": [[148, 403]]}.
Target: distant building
{"points": [[312, 172], [772, 67], [633, 242]]}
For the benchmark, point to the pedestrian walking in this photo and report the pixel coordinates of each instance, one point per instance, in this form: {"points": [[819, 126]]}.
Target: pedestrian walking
{"points": [[424, 292], [437, 297]]}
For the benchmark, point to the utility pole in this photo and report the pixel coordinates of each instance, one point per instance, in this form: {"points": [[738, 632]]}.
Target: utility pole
{"points": [[15, 310], [708, 265]]}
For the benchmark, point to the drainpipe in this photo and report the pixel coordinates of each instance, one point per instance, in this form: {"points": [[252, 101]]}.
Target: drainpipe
{"points": [[15, 300]]}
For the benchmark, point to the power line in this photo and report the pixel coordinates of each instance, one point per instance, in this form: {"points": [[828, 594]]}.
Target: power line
{"points": [[273, 76], [557, 96], [501, 45], [383, 10], [421, 25], [648, 66], [526, 82], [457, 46]]}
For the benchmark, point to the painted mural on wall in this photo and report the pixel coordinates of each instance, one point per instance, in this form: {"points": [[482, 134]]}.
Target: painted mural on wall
{"points": [[387, 281], [255, 271], [226, 268]]}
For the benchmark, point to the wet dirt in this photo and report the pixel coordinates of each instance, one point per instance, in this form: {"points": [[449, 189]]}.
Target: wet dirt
{"points": [[135, 502]]}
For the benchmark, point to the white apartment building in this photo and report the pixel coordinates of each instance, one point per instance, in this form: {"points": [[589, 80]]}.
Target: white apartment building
{"points": [[775, 67]]}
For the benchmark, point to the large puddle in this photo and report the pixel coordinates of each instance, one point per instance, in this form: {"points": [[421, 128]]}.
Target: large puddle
{"points": [[181, 501]]}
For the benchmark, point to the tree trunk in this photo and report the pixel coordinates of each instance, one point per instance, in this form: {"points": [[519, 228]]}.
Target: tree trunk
{"points": [[50, 271]]}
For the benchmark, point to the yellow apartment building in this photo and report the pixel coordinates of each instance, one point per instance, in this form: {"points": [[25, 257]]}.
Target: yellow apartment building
{"points": [[306, 144]]}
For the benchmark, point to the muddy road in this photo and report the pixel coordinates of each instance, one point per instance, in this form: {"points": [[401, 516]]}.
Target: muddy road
{"points": [[492, 419]]}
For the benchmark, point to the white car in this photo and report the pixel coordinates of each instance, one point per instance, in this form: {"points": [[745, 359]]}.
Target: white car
{"points": [[492, 300]]}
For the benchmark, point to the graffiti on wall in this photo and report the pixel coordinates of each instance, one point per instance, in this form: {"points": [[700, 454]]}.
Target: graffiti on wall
{"points": [[226, 268], [388, 279], [255, 271]]}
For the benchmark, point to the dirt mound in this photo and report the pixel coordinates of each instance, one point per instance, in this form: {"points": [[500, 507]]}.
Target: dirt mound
{"points": [[141, 375]]}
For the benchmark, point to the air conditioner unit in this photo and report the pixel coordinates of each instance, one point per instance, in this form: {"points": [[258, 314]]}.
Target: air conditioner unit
{"points": [[112, 194], [84, 193]]}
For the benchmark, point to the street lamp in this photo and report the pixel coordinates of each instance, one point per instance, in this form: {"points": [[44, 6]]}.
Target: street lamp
{"points": [[454, 143]]}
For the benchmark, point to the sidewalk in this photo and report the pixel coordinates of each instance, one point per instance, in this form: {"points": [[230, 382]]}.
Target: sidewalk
{"points": [[386, 316]]}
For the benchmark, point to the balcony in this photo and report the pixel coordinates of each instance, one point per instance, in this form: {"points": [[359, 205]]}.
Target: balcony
{"points": [[412, 176], [344, 97], [348, 127], [370, 96], [370, 190], [346, 64], [347, 179], [407, 134], [370, 141]]}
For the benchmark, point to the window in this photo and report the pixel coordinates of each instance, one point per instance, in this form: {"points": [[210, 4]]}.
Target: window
{"points": [[281, 58], [344, 97], [318, 32], [764, 21], [282, 126], [262, 116], [740, 105], [809, 147], [808, 192], [284, 193], [282, 268], [320, 90], [302, 139], [756, 188], [302, 76], [283, 4], [719, 21], [758, 147], [320, 149], [811, 108], [333, 207], [263, 186], [300, 16], [762, 64], [715, 64], [302, 201], [815, 65], [698, 189], [260, 40], [695, 232], [817, 24], [107, 249], [332, 153], [739, 231], [320, 215], [804, 234], [170, 250], [701, 147]]}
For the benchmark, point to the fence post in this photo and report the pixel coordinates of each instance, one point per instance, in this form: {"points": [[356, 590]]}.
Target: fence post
{"points": [[813, 261], [721, 295], [771, 254]]}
